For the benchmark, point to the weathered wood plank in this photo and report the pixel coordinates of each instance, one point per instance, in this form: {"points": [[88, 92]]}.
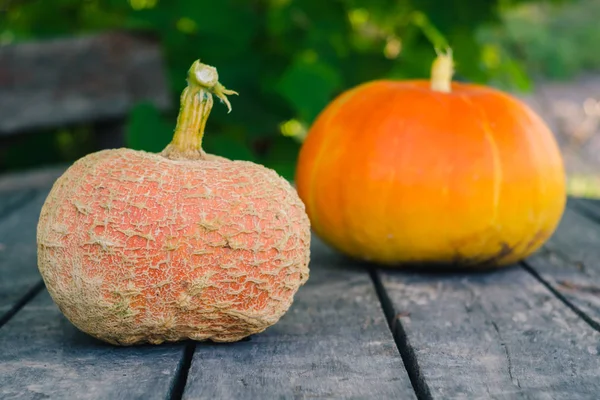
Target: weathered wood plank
{"points": [[570, 261], [43, 356], [36, 178], [18, 254], [11, 301], [494, 335], [11, 201], [64, 81], [589, 207], [333, 343]]}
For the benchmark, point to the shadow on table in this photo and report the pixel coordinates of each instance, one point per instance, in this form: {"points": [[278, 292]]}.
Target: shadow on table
{"points": [[75, 338], [324, 257]]}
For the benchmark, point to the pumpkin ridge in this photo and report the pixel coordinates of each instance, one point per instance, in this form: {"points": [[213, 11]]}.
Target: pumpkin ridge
{"points": [[344, 188], [493, 146], [322, 150], [390, 204]]}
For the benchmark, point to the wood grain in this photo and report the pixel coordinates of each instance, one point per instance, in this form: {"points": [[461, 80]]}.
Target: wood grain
{"points": [[589, 207], [11, 201], [63, 81], [43, 356], [504, 334], [18, 255], [21, 197], [333, 343], [36, 178], [569, 263], [494, 335]]}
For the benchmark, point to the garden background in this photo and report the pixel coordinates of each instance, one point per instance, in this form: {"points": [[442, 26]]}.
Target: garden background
{"points": [[289, 58]]}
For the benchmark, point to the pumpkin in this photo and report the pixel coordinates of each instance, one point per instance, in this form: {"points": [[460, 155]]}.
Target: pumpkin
{"points": [[136, 247], [431, 173]]}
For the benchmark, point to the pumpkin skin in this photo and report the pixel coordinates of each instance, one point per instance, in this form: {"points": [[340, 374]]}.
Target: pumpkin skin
{"points": [[397, 173], [136, 247]]}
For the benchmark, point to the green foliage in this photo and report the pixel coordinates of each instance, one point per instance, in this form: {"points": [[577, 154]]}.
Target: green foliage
{"points": [[146, 129], [60, 146], [552, 41], [286, 58], [308, 87]]}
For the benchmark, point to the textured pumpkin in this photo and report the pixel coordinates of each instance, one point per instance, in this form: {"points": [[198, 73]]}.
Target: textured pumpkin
{"points": [[138, 247], [431, 172]]}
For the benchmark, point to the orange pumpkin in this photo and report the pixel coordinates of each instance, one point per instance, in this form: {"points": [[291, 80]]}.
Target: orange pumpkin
{"points": [[435, 171]]}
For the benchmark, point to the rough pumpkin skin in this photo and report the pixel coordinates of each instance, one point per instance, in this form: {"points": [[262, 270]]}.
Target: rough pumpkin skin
{"points": [[137, 247]]}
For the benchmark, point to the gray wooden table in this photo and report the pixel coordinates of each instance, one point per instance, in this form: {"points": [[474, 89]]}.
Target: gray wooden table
{"points": [[531, 331]]}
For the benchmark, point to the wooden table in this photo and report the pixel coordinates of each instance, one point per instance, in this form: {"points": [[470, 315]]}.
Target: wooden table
{"points": [[530, 331]]}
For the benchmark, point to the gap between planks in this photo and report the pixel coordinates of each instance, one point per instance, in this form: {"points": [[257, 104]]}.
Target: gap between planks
{"points": [[494, 348], [381, 370], [402, 342], [406, 349], [488, 335], [590, 212], [11, 204], [183, 371], [334, 342], [401, 339], [593, 324], [31, 293]]}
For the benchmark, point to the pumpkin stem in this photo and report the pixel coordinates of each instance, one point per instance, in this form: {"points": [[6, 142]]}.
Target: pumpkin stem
{"points": [[196, 104], [442, 71]]}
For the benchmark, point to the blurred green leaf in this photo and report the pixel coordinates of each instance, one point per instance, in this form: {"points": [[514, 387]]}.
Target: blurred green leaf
{"points": [[147, 130], [289, 58], [48, 147], [308, 86], [227, 145], [282, 156], [549, 39]]}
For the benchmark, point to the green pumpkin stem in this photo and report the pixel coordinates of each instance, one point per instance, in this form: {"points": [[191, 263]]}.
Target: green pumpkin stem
{"points": [[196, 104]]}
